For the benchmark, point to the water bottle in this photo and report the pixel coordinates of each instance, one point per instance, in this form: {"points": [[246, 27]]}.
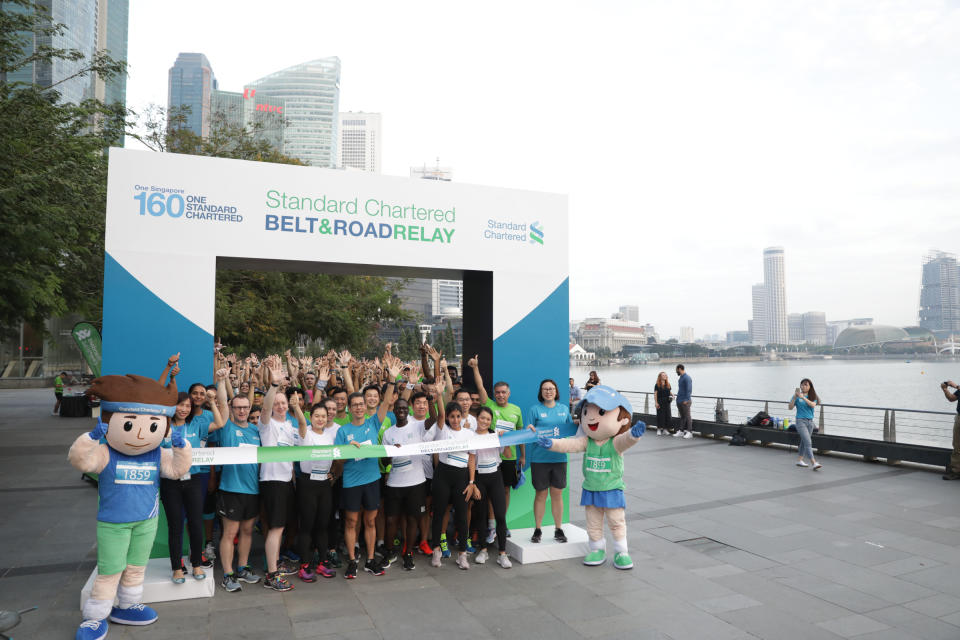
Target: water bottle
{"points": [[786, 423], [779, 423]]}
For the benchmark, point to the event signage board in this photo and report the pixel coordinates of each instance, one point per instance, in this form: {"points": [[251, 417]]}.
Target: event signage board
{"points": [[88, 341]]}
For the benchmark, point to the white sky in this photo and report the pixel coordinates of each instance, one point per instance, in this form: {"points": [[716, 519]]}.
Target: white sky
{"points": [[688, 135]]}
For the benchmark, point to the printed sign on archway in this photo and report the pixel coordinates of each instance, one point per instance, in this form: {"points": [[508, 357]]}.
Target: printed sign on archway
{"points": [[172, 219]]}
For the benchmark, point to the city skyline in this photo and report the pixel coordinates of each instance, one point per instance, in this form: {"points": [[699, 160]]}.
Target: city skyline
{"points": [[838, 143]]}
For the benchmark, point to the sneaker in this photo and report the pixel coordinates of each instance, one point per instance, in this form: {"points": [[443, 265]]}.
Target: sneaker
{"points": [[210, 550], [559, 535], [351, 571], [659, 432], [537, 535], [92, 630], [276, 582], [686, 436], [471, 548], [491, 536], [443, 545], [246, 574], [445, 553], [481, 557], [291, 556], [595, 558], [408, 562], [623, 560], [390, 557], [230, 582], [678, 434], [326, 572], [801, 463], [287, 568], [206, 561], [305, 574], [435, 561], [462, 561], [424, 548], [504, 561], [817, 466], [333, 559], [381, 550], [138, 615], [374, 567]]}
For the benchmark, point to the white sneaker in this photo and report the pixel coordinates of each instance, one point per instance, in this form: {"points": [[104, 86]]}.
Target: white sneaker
{"points": [[801, 463], [504, 561], [491, 536], [54, 413], [482, 556], [437, 554], [687, 435], [210, 551], [462, 561], [678, 434], [659, 432]]}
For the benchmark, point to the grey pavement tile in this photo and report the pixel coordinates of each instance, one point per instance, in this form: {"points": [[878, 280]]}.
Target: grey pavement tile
{"points": [[726, 603], [837, 594], [682, 583], [325, 624], [618, 626], [886, 634], [360, 634], [935, 606], [695, 625], [771, 624], [251, 621], [950, 522], [906, 565], [778, 597], [776, 532], [571, 602], [717, 571], [794, 556], [930, 629], [953, 618], [744, 560], [854, 625], [673, 534], [866, 580], [943, 578], [527, 623]]}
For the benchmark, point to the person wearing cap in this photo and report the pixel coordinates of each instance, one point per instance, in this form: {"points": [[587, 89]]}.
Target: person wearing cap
{"points": [[605, 417]]}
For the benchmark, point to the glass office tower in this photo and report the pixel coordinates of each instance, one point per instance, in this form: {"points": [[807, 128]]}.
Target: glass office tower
{"points": [[190, 86]]}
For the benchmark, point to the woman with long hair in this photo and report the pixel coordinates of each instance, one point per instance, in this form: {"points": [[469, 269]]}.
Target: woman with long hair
{"points": [[592, 381], [452, 485], [805, 399], [663, 397]]}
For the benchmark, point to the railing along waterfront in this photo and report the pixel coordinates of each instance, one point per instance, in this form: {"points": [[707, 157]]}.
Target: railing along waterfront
{"points": [[888, 424]]}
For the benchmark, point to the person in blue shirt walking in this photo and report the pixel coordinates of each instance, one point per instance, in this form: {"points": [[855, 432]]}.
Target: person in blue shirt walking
{"points": [[548, 468], [684, 393], [805, 399]]}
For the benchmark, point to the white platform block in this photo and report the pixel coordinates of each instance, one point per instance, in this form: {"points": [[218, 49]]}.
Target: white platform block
{"points": [[523, 551], [157, 586]]}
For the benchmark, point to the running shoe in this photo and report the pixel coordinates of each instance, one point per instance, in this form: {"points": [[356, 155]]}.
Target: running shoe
{"points": [[491, 536], [801, 463], [481, 557], [504, 561], [306, 575], [373, 566], [443, 545], [435, 561], [286, 568], [678, 434], [622, 560], [390, 557], [686, 436], [817, 466], [559, 535], [471, 548], [333, 559], [381, 550], [276, 582], [408, 562], [424, 548], [326, 572], [537, 535], [246, 574], [206, 561], [138, 615], [290, 555], [659, 432], [210, 550], [92, 630], [230, 583], [351, 571], [462, 561]]}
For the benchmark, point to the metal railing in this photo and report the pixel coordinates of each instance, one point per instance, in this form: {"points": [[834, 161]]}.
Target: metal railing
{"points": [[888, 424]]}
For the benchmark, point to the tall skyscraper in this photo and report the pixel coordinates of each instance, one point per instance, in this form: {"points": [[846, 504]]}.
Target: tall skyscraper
{"points": [[360, 141], [113, 18], [261, 114], [630, 313], [776, 289], [758, 326], [940, 293], [311, 94], [190, 85]]}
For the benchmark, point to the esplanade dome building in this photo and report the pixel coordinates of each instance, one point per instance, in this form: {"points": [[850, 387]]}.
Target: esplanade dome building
{"points": [[887, 337]]}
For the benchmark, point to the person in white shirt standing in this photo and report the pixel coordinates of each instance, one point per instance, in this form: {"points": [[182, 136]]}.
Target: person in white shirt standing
{"points": [[315, 495]]}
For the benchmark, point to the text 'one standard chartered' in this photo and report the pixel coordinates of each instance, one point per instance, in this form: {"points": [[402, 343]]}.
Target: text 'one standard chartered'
{"points": [[358, 218]]}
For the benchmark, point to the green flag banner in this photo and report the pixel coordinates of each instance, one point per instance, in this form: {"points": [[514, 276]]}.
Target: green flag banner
{"points": [[88, 340]]}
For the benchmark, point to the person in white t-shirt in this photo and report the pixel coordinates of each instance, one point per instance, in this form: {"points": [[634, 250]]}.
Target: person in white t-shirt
{"points": [[406, 490], [452, 485], [315, 496], [486, 476], [465, 401]]}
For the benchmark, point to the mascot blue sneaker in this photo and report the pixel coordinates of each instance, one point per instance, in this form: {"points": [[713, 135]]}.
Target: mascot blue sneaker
{"points": [[136, 615], [92, 630]]}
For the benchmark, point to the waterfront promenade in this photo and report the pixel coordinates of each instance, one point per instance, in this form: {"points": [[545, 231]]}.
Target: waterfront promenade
{"points": [[728, 542]]}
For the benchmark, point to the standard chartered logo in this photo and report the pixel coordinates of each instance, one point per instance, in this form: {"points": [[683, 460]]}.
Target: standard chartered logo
{"points": [[536, 233]]}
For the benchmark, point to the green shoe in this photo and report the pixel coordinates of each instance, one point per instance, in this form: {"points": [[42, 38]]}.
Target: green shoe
{"points": [[622, 561], [595, 558]]}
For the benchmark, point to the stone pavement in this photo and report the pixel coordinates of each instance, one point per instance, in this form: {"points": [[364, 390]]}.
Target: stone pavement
{"points": [[728, 542]]}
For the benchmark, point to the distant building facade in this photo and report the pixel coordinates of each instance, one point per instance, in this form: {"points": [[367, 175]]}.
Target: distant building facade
{"points": [[774, 283], [610, 333], [360, 141], [686, 334], [815, 327], [190, 87], [630, 313], [940, 293]]}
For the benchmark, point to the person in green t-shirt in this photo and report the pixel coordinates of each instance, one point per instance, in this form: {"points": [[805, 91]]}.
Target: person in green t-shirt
{"points": [[506, 417], [605, 417], [58, 391]]}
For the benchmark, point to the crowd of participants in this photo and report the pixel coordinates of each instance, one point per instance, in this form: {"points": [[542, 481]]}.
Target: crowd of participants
{"points": [[320, 516]]}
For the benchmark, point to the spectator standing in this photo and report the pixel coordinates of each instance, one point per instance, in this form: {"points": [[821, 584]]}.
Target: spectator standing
{"points": [[953, 467], [576, 395], [805, 399], [58, 392], [592, 381], [684, 395], [663, 396]]}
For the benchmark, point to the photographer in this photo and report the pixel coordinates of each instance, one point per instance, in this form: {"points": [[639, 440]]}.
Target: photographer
{"points": [[953, 467]]}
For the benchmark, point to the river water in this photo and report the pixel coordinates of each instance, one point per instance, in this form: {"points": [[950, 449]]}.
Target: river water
{"points": [[895, 384]]}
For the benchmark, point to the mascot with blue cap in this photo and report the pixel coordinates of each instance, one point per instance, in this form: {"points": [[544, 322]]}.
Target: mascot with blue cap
{"points": [[134, 420], [605, 417]]}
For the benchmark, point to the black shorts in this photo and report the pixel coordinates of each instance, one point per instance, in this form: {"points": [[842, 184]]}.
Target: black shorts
{"points": [[364, 497], [508, 471], [277, 497], [411, 501], [238, 506], [549, 474], [59, 394]]}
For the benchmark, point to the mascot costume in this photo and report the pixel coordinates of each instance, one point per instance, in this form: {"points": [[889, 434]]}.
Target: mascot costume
{"points": [[134, 420], [605, 417]]}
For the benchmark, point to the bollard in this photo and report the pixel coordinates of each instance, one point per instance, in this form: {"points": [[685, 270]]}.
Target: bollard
{"points": [[646, 403], [886, 426], [892, 434]]}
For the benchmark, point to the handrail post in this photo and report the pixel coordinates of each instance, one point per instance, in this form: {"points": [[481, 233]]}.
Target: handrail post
{"points": [[886, 425], [646, 403], [821, 430], [891, 436], [766, 407]]}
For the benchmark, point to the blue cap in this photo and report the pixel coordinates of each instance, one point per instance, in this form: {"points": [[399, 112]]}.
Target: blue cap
{"points": [[608, 398]]}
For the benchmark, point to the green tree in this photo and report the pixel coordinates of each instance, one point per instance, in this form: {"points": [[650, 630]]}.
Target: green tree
{"points": [[408, 347], [53, 169]]}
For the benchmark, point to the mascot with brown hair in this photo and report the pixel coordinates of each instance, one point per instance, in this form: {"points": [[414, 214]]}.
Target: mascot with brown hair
{"points": [[134, 421], [605, 417]]}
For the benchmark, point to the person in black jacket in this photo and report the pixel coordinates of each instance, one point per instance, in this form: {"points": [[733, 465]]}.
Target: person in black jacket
{"points": [[663, 397]]}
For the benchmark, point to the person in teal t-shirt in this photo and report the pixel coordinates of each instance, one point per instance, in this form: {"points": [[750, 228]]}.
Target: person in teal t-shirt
{"points": [[805, 399], [548, 469]]}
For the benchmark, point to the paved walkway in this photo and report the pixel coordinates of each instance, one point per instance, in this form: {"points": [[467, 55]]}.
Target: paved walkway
{"points": [[729, 542]]}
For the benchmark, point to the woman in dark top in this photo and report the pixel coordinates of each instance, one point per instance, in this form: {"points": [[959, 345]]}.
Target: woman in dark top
{"points": [[592, 381], [663, 399]]}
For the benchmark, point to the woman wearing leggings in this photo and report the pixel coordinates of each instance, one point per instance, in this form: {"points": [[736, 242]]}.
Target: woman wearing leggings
{"points": [[186, 494], [490, 483], [314, 497], [452, 486]]}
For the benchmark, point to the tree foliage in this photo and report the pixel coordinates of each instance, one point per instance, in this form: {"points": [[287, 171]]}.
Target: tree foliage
{"points": [[53, 178]]}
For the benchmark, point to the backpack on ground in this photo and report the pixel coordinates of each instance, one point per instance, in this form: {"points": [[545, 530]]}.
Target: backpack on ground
{"points": [[738, 439], [762, 419]]}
